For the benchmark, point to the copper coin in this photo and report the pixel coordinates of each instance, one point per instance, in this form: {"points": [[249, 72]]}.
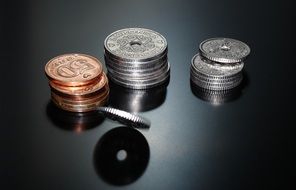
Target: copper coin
{"points": [[73, 69], [82, 97], [90, 100], [81, 90]]}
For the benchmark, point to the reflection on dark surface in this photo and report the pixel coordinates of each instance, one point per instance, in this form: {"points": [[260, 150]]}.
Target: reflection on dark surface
{"points": [[137, 100], [73, 121], [121, 156], [219, 97]]}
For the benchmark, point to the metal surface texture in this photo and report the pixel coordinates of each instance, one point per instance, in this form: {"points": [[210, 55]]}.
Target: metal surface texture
{"points": [[135, 44], [214, 76], [73, 69], [77, 82], [224, 50], [136, 58], [124, 117]]}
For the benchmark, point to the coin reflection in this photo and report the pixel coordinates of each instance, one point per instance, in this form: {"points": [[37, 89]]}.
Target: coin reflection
{"points": [[219, 97], [137, 100], [121, 156], [72, 121]]}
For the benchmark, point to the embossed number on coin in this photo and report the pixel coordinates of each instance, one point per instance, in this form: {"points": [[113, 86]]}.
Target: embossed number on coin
{"points": [[73, 69]]}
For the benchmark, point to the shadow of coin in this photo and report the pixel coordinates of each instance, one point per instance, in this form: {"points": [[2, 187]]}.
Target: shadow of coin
{"points": [[72, 121], [132, 100], [219, 97], [121, 156]]}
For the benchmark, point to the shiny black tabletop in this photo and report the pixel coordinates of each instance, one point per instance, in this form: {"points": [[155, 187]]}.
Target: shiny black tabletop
{"points": [[240, 140]]}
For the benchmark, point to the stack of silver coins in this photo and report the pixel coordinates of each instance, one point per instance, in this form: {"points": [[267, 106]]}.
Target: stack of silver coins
{"points": [[219, 63], [136, 58]]}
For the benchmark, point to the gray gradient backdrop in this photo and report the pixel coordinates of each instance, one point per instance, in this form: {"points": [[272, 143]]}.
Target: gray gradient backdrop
{"points": [[242, 144]]}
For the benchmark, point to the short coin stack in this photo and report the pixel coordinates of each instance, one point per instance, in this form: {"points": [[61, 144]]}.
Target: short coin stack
{"points": [[136, 58], [77, 82], [219, 64]]}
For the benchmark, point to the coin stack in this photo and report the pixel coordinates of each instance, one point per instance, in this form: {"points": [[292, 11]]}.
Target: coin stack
{"points": [[77, 82], [219, 63], [136, 58]]}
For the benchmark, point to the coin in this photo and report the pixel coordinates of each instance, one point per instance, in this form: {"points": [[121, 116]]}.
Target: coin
{"points": [[135, 65], [209, 75], [73, 69], [217, 85], [136, 83], [124, 117], [82, 97], [81, 90], [224, 50], [207, 68], [139, 75], [136, 58], [78, 82], [132, 44], [70, 100]]}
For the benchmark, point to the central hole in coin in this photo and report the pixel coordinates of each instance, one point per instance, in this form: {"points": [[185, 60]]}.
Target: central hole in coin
{"points": [[121, 155], [134, 43], [225, 47]]}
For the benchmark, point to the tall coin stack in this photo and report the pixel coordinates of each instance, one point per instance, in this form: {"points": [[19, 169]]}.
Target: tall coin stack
{"points": [[77, 82], [136, 58], [219, 64]]}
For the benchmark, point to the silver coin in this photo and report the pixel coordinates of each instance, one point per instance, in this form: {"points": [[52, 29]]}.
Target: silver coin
{"points": [[133, 44], [124, 117], [137, 83], [136, 68], [137, 71], [218, 83], [224, 50], [136, 78], [135, 64], [141, 84], [139, 75], [113, 58], [224, 81], [221, 80], [216, 70], [210, 75], [217, 86]]}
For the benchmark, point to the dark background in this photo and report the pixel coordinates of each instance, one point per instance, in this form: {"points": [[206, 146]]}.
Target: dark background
{"points": [[246, 143]]}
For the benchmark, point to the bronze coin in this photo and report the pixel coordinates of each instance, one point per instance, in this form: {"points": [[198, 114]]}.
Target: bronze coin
{"points": [[81, 90], [73, 69], [82, 97]]}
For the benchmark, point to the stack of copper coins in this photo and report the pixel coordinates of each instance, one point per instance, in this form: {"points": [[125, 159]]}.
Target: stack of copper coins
{"points": [[77, 82]]}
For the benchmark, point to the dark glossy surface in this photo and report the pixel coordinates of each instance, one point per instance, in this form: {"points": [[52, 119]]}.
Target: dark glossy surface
{"points": [[244, 143]]}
